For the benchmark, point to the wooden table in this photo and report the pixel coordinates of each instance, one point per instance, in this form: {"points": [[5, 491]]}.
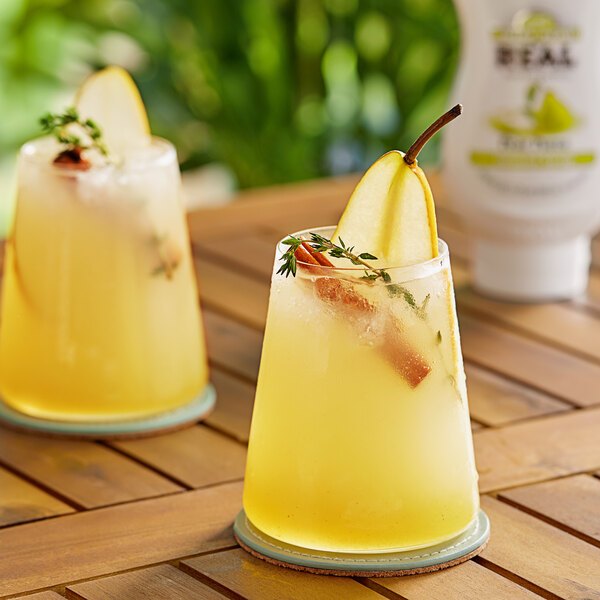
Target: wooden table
{"points": [[152, 518]]}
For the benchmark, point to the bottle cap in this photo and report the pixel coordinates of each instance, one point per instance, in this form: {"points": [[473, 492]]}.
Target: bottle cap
{"points": [[531, 272]]}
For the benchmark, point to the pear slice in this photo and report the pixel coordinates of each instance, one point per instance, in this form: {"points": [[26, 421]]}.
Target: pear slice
{"points": [[111, 99], [391, 213]]}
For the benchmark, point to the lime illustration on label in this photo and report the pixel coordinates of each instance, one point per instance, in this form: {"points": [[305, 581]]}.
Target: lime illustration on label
{"points": [[543, 113]]}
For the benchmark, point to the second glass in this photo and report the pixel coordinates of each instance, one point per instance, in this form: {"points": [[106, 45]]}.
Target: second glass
{"points": [[360, 438], [100, 315]]}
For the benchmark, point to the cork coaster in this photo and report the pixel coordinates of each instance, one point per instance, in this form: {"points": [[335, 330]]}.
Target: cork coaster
{"points": [[386, 564], [184, 416]]}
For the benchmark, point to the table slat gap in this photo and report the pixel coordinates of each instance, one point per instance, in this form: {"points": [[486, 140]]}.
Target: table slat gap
{"points": [[112, 445], [199, 456], [224, 261], [472, 581], [42, 486], [161, 581], [474, 305], [549, 370], [255, 579], [197, 521], [507, 574], [555, 523], [24, 502], [233, 411], [496, 399], [375, 586], [570, 503], [233, 344]]}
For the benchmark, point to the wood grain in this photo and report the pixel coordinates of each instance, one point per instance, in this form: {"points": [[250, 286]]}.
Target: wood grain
{"points": [[255, 579], [572, 503], [86, 473], [251, 253], [197, 456], [41, 596], [235, 400], [308, 202], [527, 549], [21, 502], [232, 293], [164, 582], [495, 400], [104, 541], [550, 370], [537, 450], [468, 581], [232, 345], [558, 324]]}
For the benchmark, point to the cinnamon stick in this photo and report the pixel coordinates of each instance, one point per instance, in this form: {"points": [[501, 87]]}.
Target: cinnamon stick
{"points": [[409, 363], [73, 159]]}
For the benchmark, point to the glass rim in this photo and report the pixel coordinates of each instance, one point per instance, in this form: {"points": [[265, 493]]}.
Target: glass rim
{"points": [[31, 152], [401, 273]]}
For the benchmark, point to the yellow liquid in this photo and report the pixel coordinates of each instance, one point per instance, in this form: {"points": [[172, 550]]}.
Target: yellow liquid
{"points": [[344, 455], [91, 330]]}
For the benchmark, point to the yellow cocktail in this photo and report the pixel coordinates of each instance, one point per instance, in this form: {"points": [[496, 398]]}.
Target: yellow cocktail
{"points": [[360, 437], [100, 318]]}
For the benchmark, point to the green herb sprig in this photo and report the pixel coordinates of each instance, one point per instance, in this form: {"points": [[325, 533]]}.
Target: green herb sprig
{"points": [[319, 243], [56, 124]]}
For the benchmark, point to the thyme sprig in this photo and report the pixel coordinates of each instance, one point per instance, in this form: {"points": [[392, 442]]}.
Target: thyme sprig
{"points": [[318, 243], [58, 125]]}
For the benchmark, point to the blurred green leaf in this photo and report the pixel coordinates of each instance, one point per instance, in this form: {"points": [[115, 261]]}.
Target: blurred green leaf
{"points": [[278, 90]]}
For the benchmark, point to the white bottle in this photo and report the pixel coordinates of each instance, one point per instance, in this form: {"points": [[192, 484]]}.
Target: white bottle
{"points": [[522, 164]]}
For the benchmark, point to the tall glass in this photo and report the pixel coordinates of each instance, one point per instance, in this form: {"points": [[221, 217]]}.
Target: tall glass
{"points": [[100, 318], [360, 437]]}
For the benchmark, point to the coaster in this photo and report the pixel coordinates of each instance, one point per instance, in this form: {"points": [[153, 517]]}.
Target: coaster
{"points": [[387, 564], [178, 418]]}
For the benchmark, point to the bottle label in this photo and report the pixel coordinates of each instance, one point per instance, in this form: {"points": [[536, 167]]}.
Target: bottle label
{"points": [[534, 121]]}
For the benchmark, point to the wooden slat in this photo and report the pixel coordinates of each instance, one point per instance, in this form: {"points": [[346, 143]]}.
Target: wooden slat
{"points": [[235, 400], [495, 400], [41, 596], [526, 548], [163, 582], [537, 450], [572, 503], [86, 473], [553, 371], [286, 224], [233, 345], [255, 579], [108, 540], [255, 208], [558, 324], [469, 581], [250, 253], [21, 502], [197, 456], [232, 293], [592, 298]]}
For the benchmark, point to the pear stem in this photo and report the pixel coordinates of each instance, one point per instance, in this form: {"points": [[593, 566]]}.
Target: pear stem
{"points": [[414, 150]]}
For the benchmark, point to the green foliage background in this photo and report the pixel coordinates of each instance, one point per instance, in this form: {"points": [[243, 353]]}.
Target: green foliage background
{"points": [[278, 90]]}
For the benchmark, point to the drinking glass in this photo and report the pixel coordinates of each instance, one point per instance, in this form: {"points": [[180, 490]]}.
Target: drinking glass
{"points": [[360, 438], [100, 316]]}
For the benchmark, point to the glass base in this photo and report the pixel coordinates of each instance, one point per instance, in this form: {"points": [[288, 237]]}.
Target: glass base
{"points": [[386, 564], [189, 413]]}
